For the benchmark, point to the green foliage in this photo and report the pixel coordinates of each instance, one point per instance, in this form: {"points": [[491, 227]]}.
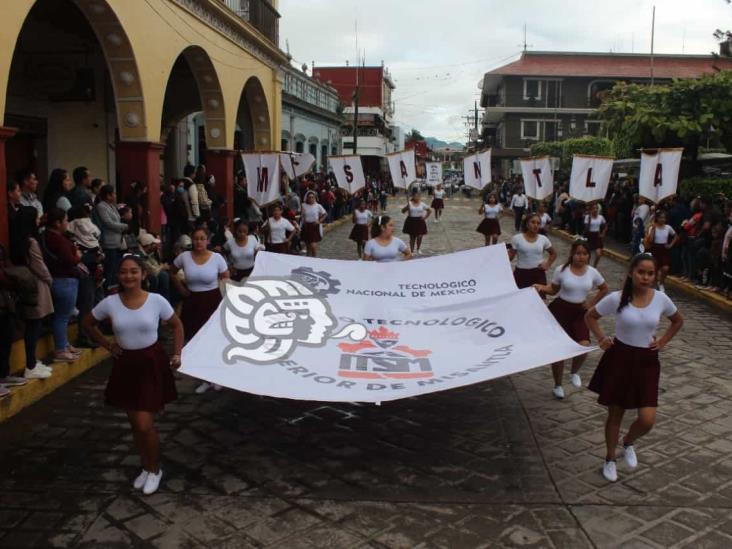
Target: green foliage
{"points": [[704, 186], [547, 148], [564, 150]]}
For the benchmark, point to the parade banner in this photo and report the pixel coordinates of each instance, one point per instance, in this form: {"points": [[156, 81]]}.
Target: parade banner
{"points": [[590, 177], [477, 169], [538, 177], [402, 168], [659, 174], [263, 176], [353, 331], [348, 172], [434, 173], [296, 164]]}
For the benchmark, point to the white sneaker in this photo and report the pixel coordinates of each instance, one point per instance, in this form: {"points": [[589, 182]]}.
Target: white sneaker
{"points": [[576, 380], [610, 471], [558, 392], [631, 459], [43, 366], [36, 373], [202, 388], [152, 483], [139, 482]]}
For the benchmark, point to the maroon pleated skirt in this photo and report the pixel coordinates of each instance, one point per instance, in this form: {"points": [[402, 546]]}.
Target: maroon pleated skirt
{"points": [[627, 376], [528, 277], [571, 317], [489, 227], [238, 275], [197, 309], [661, 254], [594, 240], [281, 248], [437, 204], [311, 233], [141, 380], [414, 226], [359, 233]]}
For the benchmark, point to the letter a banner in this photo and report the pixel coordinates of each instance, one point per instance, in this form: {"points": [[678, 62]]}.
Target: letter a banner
{"points": [[402, 168], [351, 331], [590, 177], [348, 172], [434, 173], [263, 176], [477, 169], [659, 174], [296, 164], [538, 177]]}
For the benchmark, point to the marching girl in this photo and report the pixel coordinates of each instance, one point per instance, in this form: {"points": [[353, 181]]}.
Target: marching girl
{"points": [[384, 247], [490, 227], [438, 202], [627, 376], [574, 281], [661, 238], [280, 231], [373, 198], [313, 216], [545, 219], [361, 218], [415, 224], [595, 229], [242, 249], [528, 247], [141, 381], [201, 295]]}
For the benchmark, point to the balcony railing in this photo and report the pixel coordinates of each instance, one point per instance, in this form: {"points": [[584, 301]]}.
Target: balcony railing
{"points": [[260, 14]]}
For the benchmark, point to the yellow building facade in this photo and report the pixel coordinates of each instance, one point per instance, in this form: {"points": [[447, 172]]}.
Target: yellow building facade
{"points": [[105, 83]]}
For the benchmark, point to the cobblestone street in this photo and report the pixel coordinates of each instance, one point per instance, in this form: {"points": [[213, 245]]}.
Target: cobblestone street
{"points": [[500, 464]]}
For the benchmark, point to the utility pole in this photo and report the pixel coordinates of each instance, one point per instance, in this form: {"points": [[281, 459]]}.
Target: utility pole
{"points": [[356, 95], [653, 36]]}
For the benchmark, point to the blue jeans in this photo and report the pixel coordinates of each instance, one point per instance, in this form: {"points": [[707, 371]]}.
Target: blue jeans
{"points": [[64, 292]]}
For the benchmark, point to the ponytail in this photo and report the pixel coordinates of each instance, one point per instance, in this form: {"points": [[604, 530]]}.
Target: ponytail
{"points": [[627, 293], [378, 226]]}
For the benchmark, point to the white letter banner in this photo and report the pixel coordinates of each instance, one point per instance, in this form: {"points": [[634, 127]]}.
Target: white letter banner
{"points": [[434, 173], [348, 172], [402, 168], [477, 169], [352, 331], [659, 174], [590, 177], [296, 164], [263, 176], [538, 177]]}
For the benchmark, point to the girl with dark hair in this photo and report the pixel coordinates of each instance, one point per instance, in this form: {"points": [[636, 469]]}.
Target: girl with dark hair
{"points": [[573, 281], [313, 216], [438, 201], [242, 249], [280, 231], [141, 381], [627, 376], [545, 219], [595, 229], [384, 247], [528, 247], [58, 190], [361, 218], [490, 227], [415, 225], [661, 238]]}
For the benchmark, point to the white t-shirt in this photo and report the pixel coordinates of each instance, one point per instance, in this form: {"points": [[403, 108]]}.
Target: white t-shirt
{"points": [[594, 224], [634, 326], [663, 234], [492, 212], [417, 210], [573, 288], [530, 254], [242, 257], [643, 212], [518, 201], [134, 328], [544, 220], [278, 229], [439, 194], [201, 278], [385, 254], [363, 217], [312, 212]]}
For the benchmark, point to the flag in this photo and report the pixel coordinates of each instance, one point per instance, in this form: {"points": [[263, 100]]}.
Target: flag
{"points": [[659, 174], [348, 172], [403, 169], [538, 177], [296, 164], [434, 173], [263, 176], [590, 177], [477, 169]]}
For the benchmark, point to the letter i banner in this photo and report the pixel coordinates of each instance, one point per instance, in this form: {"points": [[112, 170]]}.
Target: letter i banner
{"points": [[263, 176], [348, 172], [659, 173], [590, 177], [403, 168], [296, 164], [477, 169], [538, 177]]}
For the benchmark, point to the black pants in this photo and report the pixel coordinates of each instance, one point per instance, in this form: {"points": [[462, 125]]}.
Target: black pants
{"points": [[31, 336], [518, 215], [7, 329]]}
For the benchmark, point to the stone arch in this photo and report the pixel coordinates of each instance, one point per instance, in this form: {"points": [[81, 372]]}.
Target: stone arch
{"points": [[253, 118]]}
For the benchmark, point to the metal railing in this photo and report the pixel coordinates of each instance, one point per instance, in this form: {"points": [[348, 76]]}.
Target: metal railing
{"points": [[260, 14]]}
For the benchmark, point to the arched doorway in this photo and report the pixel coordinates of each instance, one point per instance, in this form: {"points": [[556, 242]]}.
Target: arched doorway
{"points": [[252, 120]]}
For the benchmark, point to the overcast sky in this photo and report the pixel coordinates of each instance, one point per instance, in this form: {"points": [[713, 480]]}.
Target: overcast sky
{"points": [[437, 51]]}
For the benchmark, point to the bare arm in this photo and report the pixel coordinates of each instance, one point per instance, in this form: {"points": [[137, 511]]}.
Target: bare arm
{"points": [[405, 208], [674, 241], [591, 318], [177, 326], [91, 327], [677, 321], [547, 289], [552, 258], [602, 291]]}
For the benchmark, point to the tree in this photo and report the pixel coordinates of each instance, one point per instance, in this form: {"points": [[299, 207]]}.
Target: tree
{"points": [[414, 135], [565, 150]]}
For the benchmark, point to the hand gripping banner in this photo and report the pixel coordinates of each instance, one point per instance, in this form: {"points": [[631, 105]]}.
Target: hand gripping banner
{"points": [[348, 331], [538, 177], [402, 168], [348, 172], [477, 169], [263, 176], [659, 174], [590, 177], [296, 164]]}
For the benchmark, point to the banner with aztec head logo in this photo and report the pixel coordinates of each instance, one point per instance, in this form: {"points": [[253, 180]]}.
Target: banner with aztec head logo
{"points": [[348, 331]]}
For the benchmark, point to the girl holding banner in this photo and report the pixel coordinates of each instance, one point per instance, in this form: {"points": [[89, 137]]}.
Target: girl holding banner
{"points": [[415, 224], [384, 247], [529, 247], [280, 231], [660, 239], [360, 233], [490, 227], [438, 202], [627, 376], [595, 229], [313, 216]]}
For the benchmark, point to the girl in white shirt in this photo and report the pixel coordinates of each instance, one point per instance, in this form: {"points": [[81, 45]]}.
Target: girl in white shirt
{"points": [[242, 249], [490, 227], [415, 224], [595, 230], [528, 248], [279, 231], [438, 202], [384, 247], [313, 216], [544, 218], [361, 219], [574, 281], [628, 373], [661, 238], [141, 381]]}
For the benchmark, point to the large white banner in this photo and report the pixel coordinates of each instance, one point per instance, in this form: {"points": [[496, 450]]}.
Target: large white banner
{"points": [[434, 173], [538, 177], [659, 174], [402, 168], [348, 331], [348, 172], [263, 176], [477, 169], [590, 177], [296, 164]]}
